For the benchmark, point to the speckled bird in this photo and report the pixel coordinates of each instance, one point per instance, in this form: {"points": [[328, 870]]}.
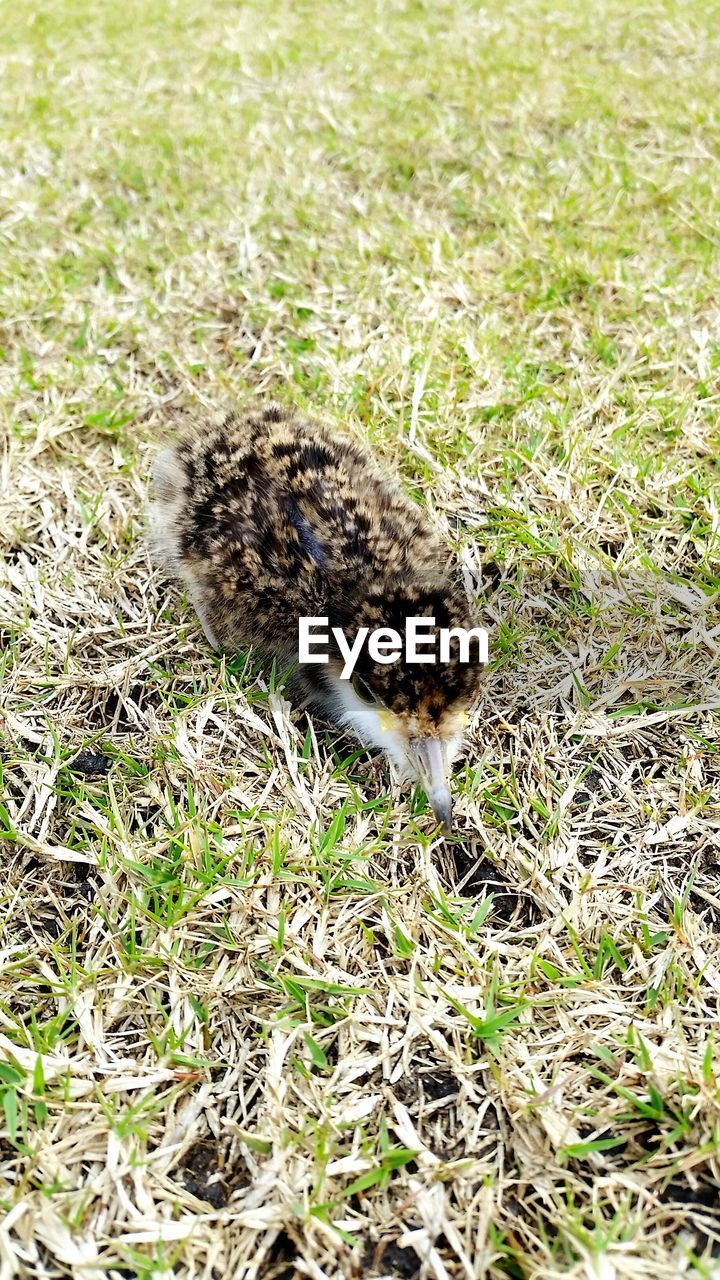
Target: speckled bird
{"points": [[269, 517]]}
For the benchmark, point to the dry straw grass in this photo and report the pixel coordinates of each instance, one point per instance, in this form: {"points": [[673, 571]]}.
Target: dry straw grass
{"points": [[254, 1020]]}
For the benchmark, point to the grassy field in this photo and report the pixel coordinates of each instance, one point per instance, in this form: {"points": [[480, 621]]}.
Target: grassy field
{"points": [[255, 1019]]}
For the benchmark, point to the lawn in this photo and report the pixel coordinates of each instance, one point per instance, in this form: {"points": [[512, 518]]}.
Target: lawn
{"points": [[256, 1018]]}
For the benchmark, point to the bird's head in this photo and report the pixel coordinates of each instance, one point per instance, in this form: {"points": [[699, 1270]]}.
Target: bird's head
{"points": [[415, 711]]}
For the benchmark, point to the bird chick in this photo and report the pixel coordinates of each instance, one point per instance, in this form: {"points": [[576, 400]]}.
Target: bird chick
{"points": [[269, 518]]}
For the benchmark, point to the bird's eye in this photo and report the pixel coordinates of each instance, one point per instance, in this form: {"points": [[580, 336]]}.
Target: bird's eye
{"points": [[363, 690]]}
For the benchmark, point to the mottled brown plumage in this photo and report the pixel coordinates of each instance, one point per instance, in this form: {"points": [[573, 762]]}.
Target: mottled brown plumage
{"points": [[269, 517]]}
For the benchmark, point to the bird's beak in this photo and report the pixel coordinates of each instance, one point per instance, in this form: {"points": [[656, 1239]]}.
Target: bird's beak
{"points": [[430, 755]]}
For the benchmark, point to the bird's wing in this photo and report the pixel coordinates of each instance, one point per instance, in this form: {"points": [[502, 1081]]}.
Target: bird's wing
{"points": [[308, 537]]}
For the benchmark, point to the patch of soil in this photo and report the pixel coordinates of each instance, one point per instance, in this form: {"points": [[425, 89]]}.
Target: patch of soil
{"points": [[439, 1083], [425, 1086], [697, 1209], [593, 784], [280, 1262], [386, 1258], [202, 1175], [91, 764], [111, 711], [706, 910], [484, 877]]}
